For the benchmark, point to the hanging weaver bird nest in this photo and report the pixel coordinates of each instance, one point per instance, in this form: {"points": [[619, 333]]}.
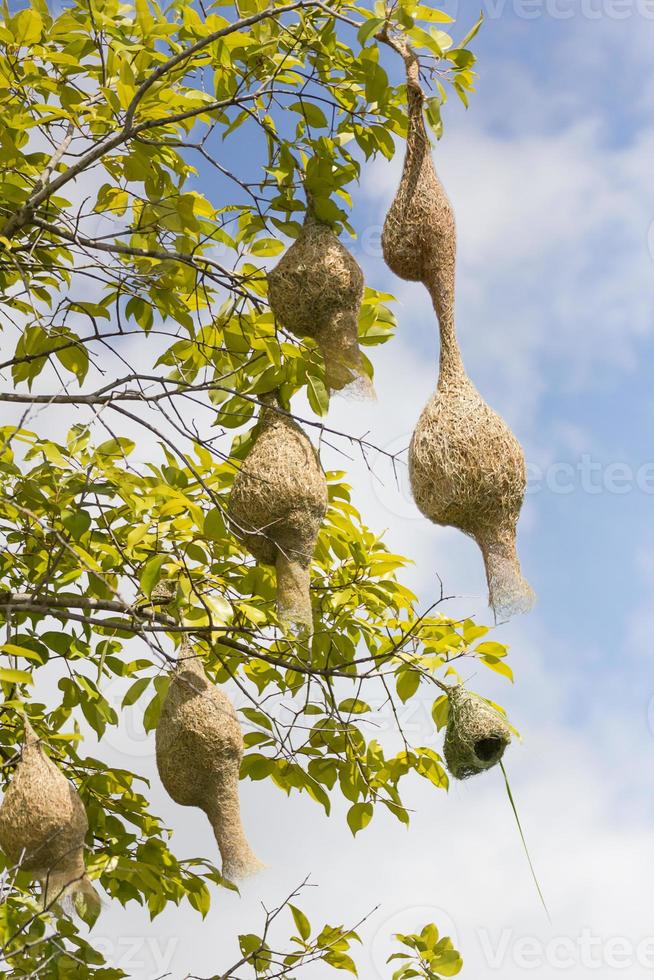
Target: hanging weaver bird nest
{"points": [[419, 235], [163, 593], [43, 824], [199, 751], [467, 470], [315, 291], [476, 735], [277, 505]]}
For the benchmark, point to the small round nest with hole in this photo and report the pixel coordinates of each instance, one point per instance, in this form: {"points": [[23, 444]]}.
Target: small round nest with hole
{"points": [[476, 736]]}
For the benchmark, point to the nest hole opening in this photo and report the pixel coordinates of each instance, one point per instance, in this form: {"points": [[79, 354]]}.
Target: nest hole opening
{"points": [[489, 749]]}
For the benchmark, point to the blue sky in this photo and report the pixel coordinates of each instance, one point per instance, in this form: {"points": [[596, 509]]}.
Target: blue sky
{"points": [[550, 175], [549, 172]]}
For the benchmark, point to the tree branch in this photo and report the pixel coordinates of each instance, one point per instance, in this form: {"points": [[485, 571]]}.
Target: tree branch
{"points": [[25, 214], [101, 246]]}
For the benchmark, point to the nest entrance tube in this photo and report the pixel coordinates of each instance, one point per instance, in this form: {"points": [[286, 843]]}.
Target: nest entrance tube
{"points": [[43, 824], [316, 291], [476, 737], [509, 593], [293, 591], [199, 747], [277, 505]]}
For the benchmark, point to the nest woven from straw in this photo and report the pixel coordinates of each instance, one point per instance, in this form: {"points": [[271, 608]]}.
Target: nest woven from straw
{"points": [[419, 234], [467, 470], [476, 735], [315, 291], [163, 593], [199, 750], [43, 824], [277, 505], [466, 467]]}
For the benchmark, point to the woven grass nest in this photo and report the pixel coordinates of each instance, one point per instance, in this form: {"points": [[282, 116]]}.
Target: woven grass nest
{"points": [[315, 291], [466, 467], [419, 234], [43, 824], [277, 505], [467, 470], [476, 735], [199, 750]]}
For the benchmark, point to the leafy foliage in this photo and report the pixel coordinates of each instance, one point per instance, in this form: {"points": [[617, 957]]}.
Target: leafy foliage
{"points": [[430, 956], [128, 236]]}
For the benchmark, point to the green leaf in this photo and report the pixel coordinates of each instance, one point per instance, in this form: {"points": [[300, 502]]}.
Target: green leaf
{"points": [[153, 711], [340, 961], [359, 816], [448, 964], [115, 447], [432, 14], [135, 691], [75, 359], [249, 944], [354, 706], [18, 651], [12, 676], [302, 924], [27, 27], [407, 683], [151, 573], [214, 525], [492, 649], [267, 246], [473, 31], [368, 28], [440, 711], [313, 114], [77, 522], [87, 905], [318, 395], [498, 666]]}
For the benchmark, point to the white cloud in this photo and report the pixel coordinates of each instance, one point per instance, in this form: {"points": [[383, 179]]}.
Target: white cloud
{"points": [[554, 264], [555, 283]]}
